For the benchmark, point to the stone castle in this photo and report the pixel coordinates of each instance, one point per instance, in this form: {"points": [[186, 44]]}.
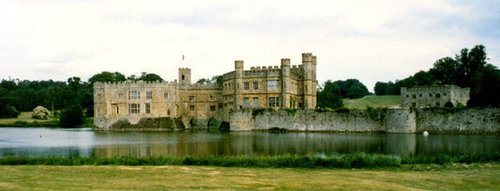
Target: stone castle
{"points": [[266, 87], [434, 96]]}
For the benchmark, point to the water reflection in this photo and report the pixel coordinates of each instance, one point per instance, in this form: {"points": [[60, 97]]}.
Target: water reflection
{"points": [[84, 142]]}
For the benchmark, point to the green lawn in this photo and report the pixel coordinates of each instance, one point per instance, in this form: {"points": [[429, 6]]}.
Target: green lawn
{"points": [[425, 177], [25, 119], [373, 101]]}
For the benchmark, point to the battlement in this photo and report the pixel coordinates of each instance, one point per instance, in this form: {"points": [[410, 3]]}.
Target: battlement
{"points": [[199, 86], [238, 64], [308, 58], [132, 83]]}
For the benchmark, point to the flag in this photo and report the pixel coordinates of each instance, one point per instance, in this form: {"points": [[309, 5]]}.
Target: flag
{"points": [[183, 57]]}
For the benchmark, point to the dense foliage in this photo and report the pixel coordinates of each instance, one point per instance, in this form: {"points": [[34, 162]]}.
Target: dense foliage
{"points": [[330, 94], [467, 69]]}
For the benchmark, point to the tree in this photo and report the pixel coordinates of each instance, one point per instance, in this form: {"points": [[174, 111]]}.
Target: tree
{"points": [[445, 70], [203, 81], [345, 87], [106, 76], [8, 111], [150, 77], [72, 116], [328, 95]]}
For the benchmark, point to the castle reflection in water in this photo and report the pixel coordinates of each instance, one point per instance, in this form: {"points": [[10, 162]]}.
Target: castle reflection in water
{"points": [[265, 144]]}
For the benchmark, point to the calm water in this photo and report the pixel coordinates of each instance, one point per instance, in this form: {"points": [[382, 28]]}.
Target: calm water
{"points": [[85, 142]]}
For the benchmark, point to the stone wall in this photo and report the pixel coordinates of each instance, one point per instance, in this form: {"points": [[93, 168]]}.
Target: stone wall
{"points": [[307, 120], [465, 121], [396, 120]]}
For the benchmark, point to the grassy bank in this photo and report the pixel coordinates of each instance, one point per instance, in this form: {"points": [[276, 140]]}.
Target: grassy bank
{"points": [[372, 101], [426, 177], [358, 160], [24, 120]]}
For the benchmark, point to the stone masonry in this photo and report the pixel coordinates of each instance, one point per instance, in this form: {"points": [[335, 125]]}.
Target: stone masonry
{"points": [[286, 86]]}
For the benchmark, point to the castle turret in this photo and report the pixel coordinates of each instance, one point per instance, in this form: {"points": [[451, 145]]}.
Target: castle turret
{"points": [[184, 76], [310, 82], [285, 83], [238, 83]]}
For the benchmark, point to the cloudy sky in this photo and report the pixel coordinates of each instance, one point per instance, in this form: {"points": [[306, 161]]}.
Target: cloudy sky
{"points": [[370, 40]]}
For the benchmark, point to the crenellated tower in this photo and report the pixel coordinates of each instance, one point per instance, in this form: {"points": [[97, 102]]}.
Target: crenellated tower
{"points": [[285, 83], [184, 76], [310, 82], [238, 83]]}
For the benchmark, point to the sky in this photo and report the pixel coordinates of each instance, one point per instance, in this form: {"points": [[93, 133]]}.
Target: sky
{"points": [[382, 40]]}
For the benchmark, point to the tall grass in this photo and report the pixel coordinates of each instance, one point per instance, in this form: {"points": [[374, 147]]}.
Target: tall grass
{"points": [[358, 160]]}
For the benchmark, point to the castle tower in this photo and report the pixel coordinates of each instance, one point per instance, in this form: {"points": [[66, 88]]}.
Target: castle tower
{"points": [[184, 76], [285, 83], [310, 82], [238, 83]]}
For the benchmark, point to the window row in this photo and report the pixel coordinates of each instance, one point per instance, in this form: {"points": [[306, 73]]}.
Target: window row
{"points": [[135, 108], [422, 95], [134, 94], [254, 85]]}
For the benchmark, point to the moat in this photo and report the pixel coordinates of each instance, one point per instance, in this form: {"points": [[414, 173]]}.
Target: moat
{"points": [[85, 142]]}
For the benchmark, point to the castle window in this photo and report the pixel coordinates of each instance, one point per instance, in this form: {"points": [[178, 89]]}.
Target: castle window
{"points": [[438, 95], [246, 85], [168, 112], [414, 96], [191, 98], [120, 96], [255, 85], [117, 110], [192, 108], [165, 95], [272, 84], [149, 95], [134, 94], [444, 94], [419, 95], [273, 101], [134, 108], [246, 102], [255, 102], [430, 95], [212, 98], [148, 107], [220, 105], [212, 108], [407, 95], [413, 104], [183, 77]]}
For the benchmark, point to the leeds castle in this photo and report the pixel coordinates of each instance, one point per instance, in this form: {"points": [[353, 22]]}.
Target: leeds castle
{"points": [[263, 87]]}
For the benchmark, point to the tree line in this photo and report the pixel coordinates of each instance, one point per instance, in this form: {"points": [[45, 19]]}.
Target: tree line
{"points": [[74, 97], [330, 94], [469, 68]]}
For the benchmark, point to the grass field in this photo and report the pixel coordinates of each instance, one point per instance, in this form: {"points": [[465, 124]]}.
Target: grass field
{"points": [[24, 120], [423, 177], [373, 101]]}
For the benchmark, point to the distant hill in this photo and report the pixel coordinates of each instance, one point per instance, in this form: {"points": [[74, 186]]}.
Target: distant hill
{"points": [[373, 101]]}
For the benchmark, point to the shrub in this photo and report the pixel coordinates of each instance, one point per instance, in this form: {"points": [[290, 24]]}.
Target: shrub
{"points": [[40, 112], [8, 111], [72, 116]]}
